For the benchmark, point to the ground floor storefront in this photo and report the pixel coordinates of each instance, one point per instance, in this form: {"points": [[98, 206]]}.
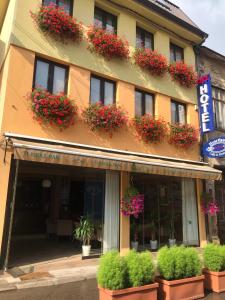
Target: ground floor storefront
{"points": [[51, 185]]}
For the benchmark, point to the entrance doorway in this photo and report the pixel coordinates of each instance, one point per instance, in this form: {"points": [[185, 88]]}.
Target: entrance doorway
{"points": [[50, 200]]}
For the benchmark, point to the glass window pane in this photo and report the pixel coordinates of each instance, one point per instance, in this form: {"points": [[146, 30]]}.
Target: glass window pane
{"points": [[138, 104], [48, 2], [109, 93], [181, 110], [59, 80], [95, 90], [66, 5], [148, 41], [98, 18], [172, 57], [173, 113], [139, 42], [110, 23], [179, 54], [149, 104], [41, 76]]}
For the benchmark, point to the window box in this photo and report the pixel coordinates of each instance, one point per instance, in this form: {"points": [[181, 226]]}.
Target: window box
{"points": [[183, 135], [151, 61], [51, 109], [56, 22], [107, 44], [183, 74]]}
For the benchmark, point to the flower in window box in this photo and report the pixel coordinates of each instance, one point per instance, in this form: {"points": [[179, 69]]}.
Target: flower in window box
{"points": [[53, 109], [183, 74], [183, 135], [107, 44], [150, 129], [104, 117], [151, 61], [54, 20]]}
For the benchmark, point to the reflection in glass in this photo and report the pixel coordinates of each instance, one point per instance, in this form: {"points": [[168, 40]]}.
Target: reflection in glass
{"points": [[109, 93], [59, 80], [95, 90], [41, 78]]}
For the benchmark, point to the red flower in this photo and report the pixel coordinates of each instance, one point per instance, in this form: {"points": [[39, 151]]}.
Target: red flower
{"points": [[150, 60], [183, 74], [109, 117], [57, 22], [107, 44], [53, 109], [150, 129], [183, 135]]}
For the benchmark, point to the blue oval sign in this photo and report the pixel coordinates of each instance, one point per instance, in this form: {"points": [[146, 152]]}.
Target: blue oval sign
{"points": [[215, 148]]}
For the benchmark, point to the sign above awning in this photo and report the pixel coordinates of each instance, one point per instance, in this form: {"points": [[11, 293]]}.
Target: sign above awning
{"points": [[84, 157]]}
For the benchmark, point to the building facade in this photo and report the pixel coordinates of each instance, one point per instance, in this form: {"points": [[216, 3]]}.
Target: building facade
{"points": [[213, 63], [52, 177]]}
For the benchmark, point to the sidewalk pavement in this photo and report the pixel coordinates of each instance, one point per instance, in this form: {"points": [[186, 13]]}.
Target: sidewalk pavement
{"points": [[49, 274]]}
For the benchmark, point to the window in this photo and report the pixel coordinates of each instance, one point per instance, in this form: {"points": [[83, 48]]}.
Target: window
{"points": [[178, 112], [102, 90], [176, 53], [50, 76], [66, 4], [144, 103], [219, 107], [144, 39], [105, 20]]}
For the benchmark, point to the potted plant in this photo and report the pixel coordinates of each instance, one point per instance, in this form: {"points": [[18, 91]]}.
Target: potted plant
{"points": [[133, 203], [84, 232], [172, 240], [214, 262], [180, 274], [183, 74], [182, 135], [129, 277], [153, 241], [134, 234]]}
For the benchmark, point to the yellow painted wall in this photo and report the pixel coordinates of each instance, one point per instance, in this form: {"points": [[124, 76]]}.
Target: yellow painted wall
{"points": [[26, 35], [17, 109]]}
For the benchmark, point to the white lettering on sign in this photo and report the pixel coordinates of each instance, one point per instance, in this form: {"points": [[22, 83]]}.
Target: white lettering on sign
{"points": [[204, 102]]}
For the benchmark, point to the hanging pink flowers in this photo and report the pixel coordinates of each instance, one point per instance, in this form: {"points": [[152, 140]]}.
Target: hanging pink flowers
{"points": [[211, 208], [133, 203]]}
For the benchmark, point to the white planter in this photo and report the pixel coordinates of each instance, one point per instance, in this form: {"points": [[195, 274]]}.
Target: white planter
{"points": [[154, 244], [86, 250], [172, 242], [134, 245]]}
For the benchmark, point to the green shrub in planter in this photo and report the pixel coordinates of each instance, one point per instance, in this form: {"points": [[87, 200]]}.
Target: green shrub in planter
{"points": [[214, 257], [178, 262], [112, 273], [140, 268]]}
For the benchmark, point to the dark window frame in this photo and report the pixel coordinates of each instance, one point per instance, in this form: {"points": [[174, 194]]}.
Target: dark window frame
{"points": [[104, 18], [175, 48], [102, 88], [177, 103], [143, 107], [52, 64], [220, 101], [57, 3], [143, 33]]}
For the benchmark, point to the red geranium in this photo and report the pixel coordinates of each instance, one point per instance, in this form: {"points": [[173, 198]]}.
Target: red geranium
{"points": [[150, 129], [106, 117], [184, 74], [56, 21], [183, 135], [53, 109], [107, 44], [150, 60]]}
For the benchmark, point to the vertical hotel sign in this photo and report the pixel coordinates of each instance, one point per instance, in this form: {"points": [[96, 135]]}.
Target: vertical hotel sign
{"points": [[205, 104]]}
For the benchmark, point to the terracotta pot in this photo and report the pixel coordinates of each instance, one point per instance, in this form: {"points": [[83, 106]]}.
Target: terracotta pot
{"points": [[214, 281], [146, 292], [181, 289]]}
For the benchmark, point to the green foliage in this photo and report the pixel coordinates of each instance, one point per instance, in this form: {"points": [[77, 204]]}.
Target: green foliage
{"points": [[140, 268], [112, 273], [84, 231], [214, 257], [178, 262]]}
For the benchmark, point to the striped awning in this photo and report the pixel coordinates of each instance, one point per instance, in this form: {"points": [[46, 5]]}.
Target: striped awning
{"points": [[110, 159]]}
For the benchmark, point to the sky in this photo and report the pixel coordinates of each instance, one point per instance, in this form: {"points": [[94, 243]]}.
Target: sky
{"points": [[209, 15]]}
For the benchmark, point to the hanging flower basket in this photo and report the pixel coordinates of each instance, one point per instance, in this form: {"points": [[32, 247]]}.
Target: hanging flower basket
{"points": [[107, 44], [151, 61], [55, 21], [53, 109], [150, 129], [210, 208], [133, 203], [104, 117], [183, 136], [183, 74]]}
